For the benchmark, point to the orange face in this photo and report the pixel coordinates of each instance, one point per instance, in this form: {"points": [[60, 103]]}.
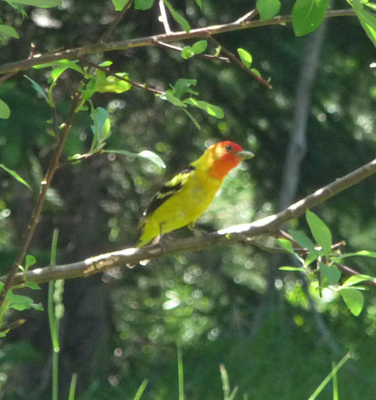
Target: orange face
{"points": [[226, 156]]}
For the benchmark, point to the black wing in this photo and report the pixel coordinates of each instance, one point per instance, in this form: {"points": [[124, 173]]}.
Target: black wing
{"points": [[168, 189]]}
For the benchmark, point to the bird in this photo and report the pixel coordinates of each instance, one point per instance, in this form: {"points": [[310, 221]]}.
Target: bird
{"points": [[183, 199]]}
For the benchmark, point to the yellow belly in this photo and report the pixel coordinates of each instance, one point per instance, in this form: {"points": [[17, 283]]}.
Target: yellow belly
{"points": [[179, 210]]}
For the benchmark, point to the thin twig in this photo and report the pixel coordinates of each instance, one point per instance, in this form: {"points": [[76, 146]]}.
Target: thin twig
{"points": [[204, 56], [236, 61], [42, 195], [73, 54], [163, 17], [89, 63], [247, 16], [115, 22], [266, 226]]}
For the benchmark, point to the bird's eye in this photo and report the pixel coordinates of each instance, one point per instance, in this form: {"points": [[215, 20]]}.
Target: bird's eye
{"points": [[228, 147]]}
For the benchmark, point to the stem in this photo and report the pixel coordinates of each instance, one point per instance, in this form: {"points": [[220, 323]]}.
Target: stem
{"points": [[74, 54], [42, 196]]}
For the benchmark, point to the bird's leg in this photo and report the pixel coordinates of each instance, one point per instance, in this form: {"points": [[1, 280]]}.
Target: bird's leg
{"points": [[203, 232], [161, 238]]}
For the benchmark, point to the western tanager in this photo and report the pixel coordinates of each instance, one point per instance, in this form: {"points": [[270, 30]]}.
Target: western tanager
{"points": [[183, 199]]}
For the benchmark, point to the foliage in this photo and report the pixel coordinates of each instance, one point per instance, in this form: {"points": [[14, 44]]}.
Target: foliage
{"points": [[160, 104]]}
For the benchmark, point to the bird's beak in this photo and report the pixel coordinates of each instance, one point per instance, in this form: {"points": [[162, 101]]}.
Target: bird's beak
{"points": [[244, 154]]}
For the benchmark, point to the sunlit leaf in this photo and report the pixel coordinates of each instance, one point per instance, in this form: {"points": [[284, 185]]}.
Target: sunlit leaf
{"points": [[362, 253], [307, 15], [354, 300], [4, 110], [292, 269], [187, 52], [245, 57], [268, 8], [200, 46], [111, 84], [286, 245], [367, 20], [353, 280], [15, 175], [320, 232], [119, 4], [211, 109], [30, 260]]}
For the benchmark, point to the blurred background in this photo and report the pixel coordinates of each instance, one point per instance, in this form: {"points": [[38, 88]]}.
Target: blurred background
{"points": [[226, 305]]}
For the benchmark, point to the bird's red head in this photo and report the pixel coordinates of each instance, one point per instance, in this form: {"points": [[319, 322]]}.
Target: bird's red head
{"points": [[225, 156]]}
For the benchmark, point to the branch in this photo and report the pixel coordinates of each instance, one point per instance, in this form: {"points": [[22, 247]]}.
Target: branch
{"points": [[238, 233], [73, 54], [41, 198]]}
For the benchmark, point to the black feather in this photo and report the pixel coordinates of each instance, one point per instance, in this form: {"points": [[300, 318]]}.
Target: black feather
{"points": [[167, 190]]}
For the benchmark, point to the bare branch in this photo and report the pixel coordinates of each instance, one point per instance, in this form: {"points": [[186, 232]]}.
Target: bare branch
{"points": [[73, 54], [163, 17], [41, 198], [115, 22], [239, 233]]}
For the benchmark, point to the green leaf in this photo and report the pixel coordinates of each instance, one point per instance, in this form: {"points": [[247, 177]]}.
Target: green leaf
{"points": [[354, 300], [172, 99], [9, 31], [256, 72], [302, 240], [212, 110], [144, 154], [39, 3], [367, 20], [307, 15], [63, 63], [178, 18], [372, 6], [143, 4], [320, 232], [102, 126], [32, 285], [200, 46], [182, 87], [268, 8], [187, 52], [199, 3], [30, 261], [111, 84], [245, 57], [332, 274], [192, 119], [286, 245], [15, 175], [4, 110], [357, 279], [362, 253], [119, 4], [21, 303], [292, 269], [37, 88]]}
